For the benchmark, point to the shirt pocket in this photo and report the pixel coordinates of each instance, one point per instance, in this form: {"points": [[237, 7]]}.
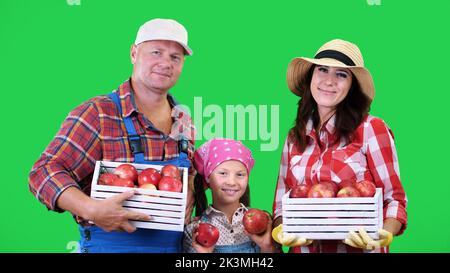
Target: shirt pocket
{"points": [[348, 162]]}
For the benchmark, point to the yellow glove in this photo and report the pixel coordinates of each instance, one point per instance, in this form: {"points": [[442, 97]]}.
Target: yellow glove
{"points": [[289, 240], [363, 240]]}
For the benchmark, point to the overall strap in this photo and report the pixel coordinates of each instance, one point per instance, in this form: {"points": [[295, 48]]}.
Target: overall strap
{"points": [[133, 138]]}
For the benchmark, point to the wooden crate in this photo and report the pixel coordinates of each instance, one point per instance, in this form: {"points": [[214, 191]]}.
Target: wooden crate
{"points": [[332, 218], [167, 209]]}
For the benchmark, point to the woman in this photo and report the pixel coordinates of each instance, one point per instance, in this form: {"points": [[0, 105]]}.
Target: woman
{"points": [[335, 139]]}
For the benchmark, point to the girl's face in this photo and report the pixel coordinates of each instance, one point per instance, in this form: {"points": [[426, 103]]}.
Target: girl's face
{"points": [[330, 86], [228, 182]]}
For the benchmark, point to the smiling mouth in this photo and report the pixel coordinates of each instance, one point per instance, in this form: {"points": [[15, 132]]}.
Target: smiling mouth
{"points": [[162, 74], [230, 191], [327, 92]]}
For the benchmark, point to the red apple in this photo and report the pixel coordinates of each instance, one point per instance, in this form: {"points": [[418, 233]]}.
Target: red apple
{"points": [[170, 170], [126, 171], [107, 179], [148, 187], [366, 188], [333, 186], [300, 191], [207, 234], [346, 183], [168, 183], [255, 221], [121, 182], [321, 191], [349, 191], [149, 176]]}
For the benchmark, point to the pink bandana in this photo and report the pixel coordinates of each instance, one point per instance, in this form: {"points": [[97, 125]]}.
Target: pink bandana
{"points": [[215, 151]]}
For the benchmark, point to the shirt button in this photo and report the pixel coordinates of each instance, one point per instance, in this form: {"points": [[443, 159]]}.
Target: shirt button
{"points": [[87, 235], [253, 244]]}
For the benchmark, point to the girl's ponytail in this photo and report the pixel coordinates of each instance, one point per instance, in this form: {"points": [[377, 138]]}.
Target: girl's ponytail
{"points": [[201, 203]]}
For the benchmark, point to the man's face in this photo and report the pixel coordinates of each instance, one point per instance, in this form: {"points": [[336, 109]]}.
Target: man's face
{"points": [[157, 64]]}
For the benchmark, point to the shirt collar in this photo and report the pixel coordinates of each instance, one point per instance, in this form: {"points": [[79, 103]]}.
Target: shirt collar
{"points": [[128, 103], [210, 210], [329, 126]]}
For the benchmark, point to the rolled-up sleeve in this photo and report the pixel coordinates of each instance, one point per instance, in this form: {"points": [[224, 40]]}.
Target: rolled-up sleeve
{"points": [[69, 157], [384, 167]]}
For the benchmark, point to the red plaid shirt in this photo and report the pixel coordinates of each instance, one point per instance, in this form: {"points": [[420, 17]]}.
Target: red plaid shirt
{"points": [[96, 131], [370, 156]]}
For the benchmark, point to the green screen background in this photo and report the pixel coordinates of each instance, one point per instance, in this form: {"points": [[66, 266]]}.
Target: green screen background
{"points": [[54, 56]]}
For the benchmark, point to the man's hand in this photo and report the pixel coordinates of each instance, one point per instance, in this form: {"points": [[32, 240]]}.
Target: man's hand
{"points": [[289, 240], [364, 241], [109, 214]]}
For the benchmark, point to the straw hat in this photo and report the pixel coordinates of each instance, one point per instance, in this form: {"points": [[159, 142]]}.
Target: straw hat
{"points": [[335, 53]]}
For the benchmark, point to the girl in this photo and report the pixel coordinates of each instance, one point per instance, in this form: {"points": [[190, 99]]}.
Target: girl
{"points": [[224, 166]]}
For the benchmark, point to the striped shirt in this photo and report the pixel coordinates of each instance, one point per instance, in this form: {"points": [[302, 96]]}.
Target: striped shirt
{"points": [[95, 131], [370, 156]]}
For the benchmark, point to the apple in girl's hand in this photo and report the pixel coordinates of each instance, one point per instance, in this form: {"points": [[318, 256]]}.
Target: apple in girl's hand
{"points": [[321, 191], [349, 191], [300, 191], [168, 183], [208, 235], [126, 171], [255, 221], [107, 179], [170, 170], [121, 182], [149, 176]]}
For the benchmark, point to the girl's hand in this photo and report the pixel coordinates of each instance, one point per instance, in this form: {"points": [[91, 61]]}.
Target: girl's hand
{"points": [[264, 240], [198, 247]]}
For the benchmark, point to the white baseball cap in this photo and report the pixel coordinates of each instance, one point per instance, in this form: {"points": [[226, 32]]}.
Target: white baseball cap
{"points": [[163, 29]]}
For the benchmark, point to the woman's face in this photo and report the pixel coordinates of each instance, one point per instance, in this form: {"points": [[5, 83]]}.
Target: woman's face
{"points": [[330, 86]]}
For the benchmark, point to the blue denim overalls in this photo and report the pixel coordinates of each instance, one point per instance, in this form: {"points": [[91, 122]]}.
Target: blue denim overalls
{"points": [[247, 247], [94, 239]]}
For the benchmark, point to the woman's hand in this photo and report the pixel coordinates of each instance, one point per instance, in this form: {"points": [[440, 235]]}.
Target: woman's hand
{"points": [[289, 240], [364, 241]]}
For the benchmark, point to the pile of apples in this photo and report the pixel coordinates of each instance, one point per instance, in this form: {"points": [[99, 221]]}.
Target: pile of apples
{"points": [[329, 189], [126, 175]]}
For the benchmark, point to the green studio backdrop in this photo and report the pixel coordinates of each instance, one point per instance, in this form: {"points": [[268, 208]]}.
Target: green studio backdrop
{"points": [[56, 54]]}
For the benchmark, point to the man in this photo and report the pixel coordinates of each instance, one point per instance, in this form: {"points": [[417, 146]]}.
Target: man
{"points": [[139, 122]]}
